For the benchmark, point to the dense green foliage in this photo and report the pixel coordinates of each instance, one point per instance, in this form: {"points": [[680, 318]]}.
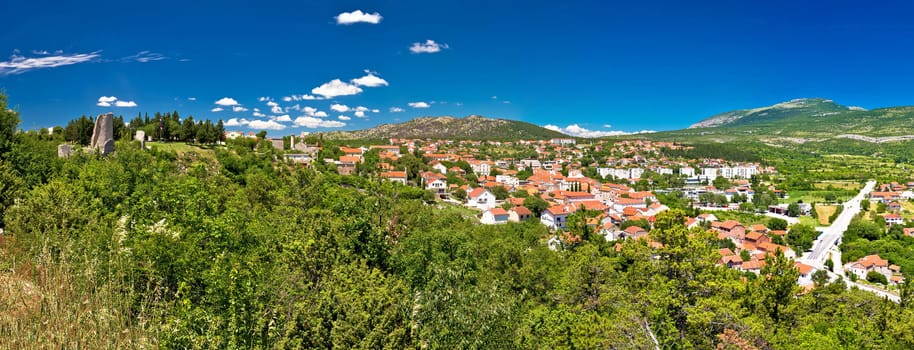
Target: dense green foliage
{"points": [[154, 249]]}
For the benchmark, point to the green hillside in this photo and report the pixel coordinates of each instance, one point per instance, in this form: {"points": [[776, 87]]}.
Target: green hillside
{"points": [[471, 127], [801, 121]]}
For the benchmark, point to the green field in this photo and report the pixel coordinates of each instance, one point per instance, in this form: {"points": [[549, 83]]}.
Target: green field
{"points": [[181, 148]]}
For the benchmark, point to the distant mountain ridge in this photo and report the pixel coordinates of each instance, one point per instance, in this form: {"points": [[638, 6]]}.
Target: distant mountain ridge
{"points": [[473, 127], [783, 110]]}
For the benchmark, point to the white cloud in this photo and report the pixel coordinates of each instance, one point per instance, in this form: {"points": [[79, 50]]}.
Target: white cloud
{"points": [[312, 122], [357, 16], [375, 110], [343, 117], [419, 104], [191, 98], [361, 109], [144, 56], [272, 104], [258, 114], [370, 80], [607, 126], [236, 122], [21, 64], [226, 101], [239, 109], [283, 118], [305, 97], [265, 125], [125, 104], [264, 99], [339, 108], [336, 88], [217, 109], [359, 114], [276, 110], [105, 101], [395, 109], [578, 131], [430, 46], [320, 114]]}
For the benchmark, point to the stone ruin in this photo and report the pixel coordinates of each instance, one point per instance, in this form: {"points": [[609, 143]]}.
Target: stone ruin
{"points": [[103, 134], [64, 150], [141, 136]]}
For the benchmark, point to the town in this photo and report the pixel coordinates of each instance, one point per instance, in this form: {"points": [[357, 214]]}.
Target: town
{"points": [[615, 189]]}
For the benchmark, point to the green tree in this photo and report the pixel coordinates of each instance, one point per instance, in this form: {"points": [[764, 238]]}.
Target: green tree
{"points": [[876, 277], [776, 224], [9, 122], [536, 204], [793, 209], [779, 286]]}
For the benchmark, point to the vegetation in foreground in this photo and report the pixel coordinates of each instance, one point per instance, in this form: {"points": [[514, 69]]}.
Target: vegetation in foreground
{"points": [[152, 249]]}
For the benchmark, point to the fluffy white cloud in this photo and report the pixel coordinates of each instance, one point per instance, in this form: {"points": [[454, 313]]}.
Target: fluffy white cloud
{"points": [[357, 16], [226, 101], [375, 110], [217, 109], [191, 98], [429, 46], [21, 64], [105, 101], [320, 114], [336, 88], [578, 131], [236, 122], [359, 114], [361, 109], [239, 109], [272, 104], [125, 104], [264, 99], [276, 110], [339, 108], [419, 104], [395, 109], [258, 114], [370, 80], [265, 125], [343, 117], [312, 122], [287, 98], [283, 118]]}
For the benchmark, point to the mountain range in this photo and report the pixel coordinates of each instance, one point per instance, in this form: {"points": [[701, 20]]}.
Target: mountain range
{"points": [[797, 121], [473, 127]]}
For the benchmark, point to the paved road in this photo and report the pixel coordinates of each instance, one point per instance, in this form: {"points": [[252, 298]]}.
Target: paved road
{"points": [[833, 233]]}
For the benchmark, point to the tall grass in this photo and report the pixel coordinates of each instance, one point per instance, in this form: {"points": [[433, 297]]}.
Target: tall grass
{"points": [[71, 299]]}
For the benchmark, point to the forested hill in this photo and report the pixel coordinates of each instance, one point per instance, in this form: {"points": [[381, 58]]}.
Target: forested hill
{"points": [[470, 128]]}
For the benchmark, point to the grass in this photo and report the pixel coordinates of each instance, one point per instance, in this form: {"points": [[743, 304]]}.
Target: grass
{"points": [[825, 212], [809, 221], [181, 148], [66, 300]]}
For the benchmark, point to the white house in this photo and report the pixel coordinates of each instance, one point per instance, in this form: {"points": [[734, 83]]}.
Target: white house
{"points": [[481, 167], [481, 198], [687, 171], [869, 263], [508, 180], [555, 216], [440, 167], [494, 216]]}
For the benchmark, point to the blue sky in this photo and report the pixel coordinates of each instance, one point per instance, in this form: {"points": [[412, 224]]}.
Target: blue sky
{"points": [[599, 66]]}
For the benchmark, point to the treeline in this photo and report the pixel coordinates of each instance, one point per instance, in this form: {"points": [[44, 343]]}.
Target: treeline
{"points": [[169, 126]]}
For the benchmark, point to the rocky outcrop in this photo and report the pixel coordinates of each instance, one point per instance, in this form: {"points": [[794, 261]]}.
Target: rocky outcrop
{"points": [[103, 134]]}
